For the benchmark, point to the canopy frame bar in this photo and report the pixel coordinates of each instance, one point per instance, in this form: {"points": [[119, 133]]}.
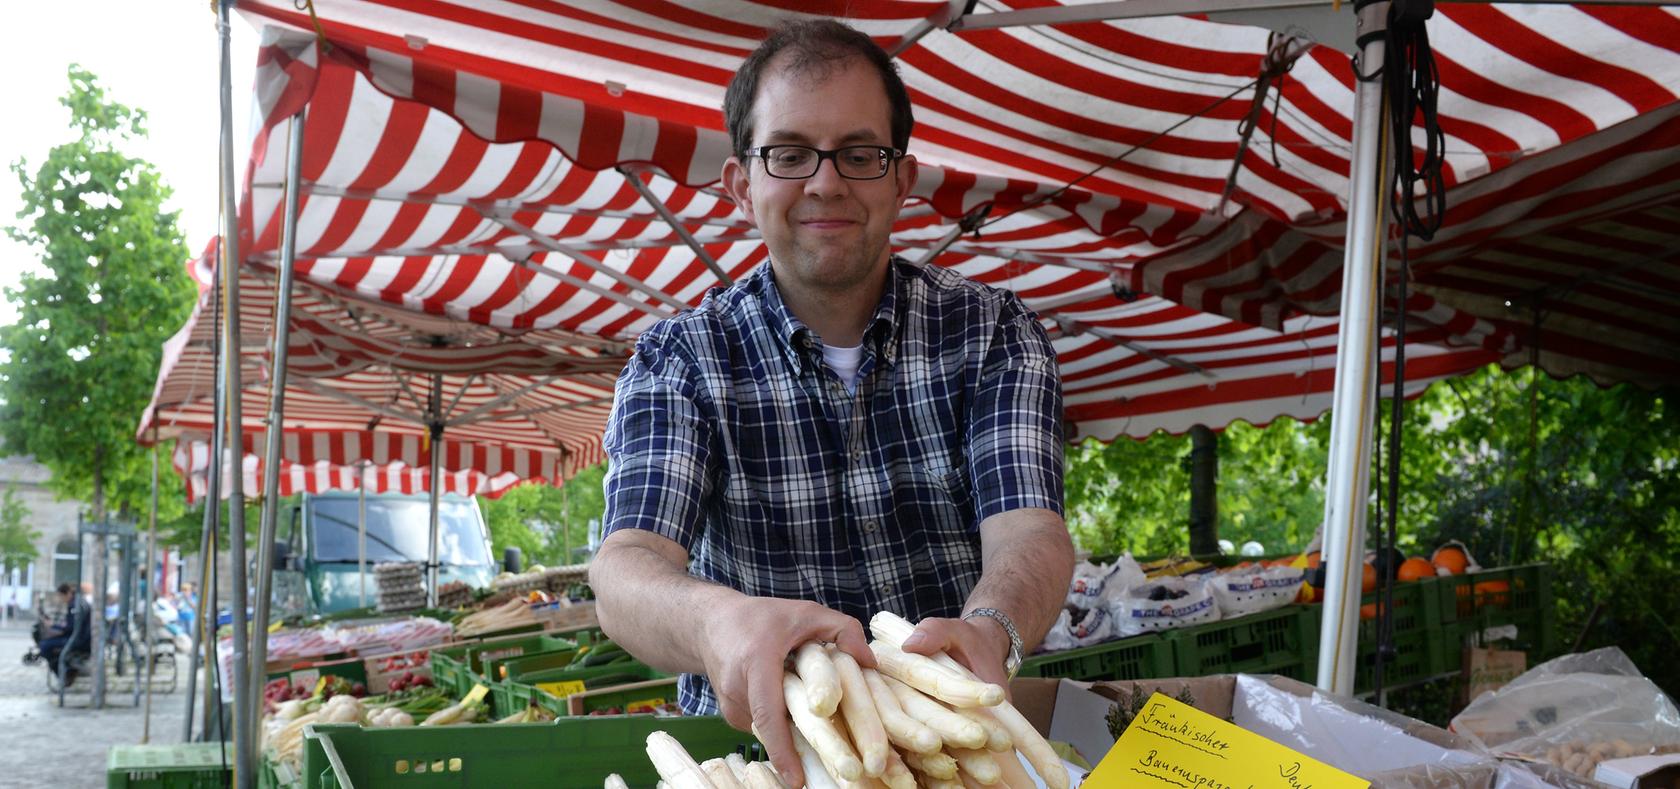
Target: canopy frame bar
{"points": [[547, 409], [676, 224], [466, 418], [1143, 9], [1071, 326]]}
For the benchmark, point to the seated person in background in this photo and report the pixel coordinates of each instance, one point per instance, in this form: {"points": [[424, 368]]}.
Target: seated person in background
{"points": [[75, 633]]}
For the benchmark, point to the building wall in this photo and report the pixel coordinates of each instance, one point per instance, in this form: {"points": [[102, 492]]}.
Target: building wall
{"points": [[55, 521]]}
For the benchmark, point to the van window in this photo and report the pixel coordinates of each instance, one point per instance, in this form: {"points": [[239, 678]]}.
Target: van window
{"points": [[397, 531]]}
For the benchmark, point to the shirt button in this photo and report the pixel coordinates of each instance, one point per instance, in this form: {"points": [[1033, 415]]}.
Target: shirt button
{"points": [[857, 454], [869, 527], [886, 588]]}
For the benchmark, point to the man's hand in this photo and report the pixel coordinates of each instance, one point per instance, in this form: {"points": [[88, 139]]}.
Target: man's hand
{"points": [[979, 643], [746, 644]]}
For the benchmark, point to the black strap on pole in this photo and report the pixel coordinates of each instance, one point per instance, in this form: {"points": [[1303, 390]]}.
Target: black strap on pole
{"points": [[1411, 84]]}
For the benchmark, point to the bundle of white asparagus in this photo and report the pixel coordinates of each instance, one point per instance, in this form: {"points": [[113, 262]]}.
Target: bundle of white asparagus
{"points": [[914, 721]]}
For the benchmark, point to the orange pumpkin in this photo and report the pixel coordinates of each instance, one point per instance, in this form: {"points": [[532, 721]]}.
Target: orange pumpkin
{"points": [[1451, 560], [1416, 569]]}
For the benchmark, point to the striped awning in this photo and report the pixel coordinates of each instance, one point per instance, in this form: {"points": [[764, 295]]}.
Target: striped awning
{"points": [[494, 184]]}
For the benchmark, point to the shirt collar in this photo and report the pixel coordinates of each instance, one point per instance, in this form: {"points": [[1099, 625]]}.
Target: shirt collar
{"points": [[803, 344]]}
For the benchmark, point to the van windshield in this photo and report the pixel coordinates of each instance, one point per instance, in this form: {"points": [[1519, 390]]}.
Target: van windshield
{"points": [[397, 531]]}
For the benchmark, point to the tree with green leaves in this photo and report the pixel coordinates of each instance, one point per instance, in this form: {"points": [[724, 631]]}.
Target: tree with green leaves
{"points": [[84, 352], [545, 522], [17, 540]]}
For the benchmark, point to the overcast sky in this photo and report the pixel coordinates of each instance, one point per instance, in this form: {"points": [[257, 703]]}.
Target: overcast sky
{"points": [[160, 56]]}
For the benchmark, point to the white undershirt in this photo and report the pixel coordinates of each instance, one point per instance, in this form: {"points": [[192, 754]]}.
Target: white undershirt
{"points": [[844, 362]]}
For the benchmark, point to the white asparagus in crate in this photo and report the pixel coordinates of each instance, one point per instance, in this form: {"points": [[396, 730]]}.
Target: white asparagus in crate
{"points": [[903, 731], [815, 669], [898, 775], [761, 776], [923, 674], [1014, 775], [821, 733], [737, 765], [889, 627], [615, 781], [954, 729], [817, 775], [674, 764], [718, 772], [997, 738], [940, 783], [978, 764], [933, 765], [869, 735]]}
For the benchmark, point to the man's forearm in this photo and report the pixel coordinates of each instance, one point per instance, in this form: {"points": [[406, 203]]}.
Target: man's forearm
{"points": [[1027, 560], [652, 608]]}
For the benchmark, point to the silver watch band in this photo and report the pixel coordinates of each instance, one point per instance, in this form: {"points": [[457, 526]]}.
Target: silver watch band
{"points": [[1011, 662]]}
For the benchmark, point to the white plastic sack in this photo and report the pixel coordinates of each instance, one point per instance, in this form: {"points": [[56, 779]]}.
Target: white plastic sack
{"points": [[1136, 613], [1099, 585], [1250, 590], [1388, 749], [1570, 704]]}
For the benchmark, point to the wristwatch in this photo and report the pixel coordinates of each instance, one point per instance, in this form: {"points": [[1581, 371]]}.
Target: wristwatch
{"points": [[1012, 662]]}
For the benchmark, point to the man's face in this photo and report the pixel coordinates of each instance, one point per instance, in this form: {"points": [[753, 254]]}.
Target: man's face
{"points": [[825, 233]]}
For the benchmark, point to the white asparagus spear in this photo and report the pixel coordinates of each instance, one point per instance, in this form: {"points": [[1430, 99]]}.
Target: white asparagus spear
{"points": [[969, 781], [997, 739], [817, 672], [816, 774], [898, 775], [615, 781], [954, 729], [940, 783], [921, 673], [820, 733], [869, 735], [902, 730], [674, 764], [1032, 745], [933, 765], [978, 764], [737, 765], [761, 776], [718, 772], [1013, 773]]}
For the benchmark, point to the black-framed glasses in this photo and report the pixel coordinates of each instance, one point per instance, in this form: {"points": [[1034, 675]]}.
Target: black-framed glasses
{"points": [[856, 162]]}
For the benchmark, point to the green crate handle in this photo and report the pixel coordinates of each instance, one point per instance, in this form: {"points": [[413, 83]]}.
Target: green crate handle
{"points": [[339, 773]]}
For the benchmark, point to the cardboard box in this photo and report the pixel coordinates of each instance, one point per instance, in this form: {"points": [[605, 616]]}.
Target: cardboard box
{"points": [[1090, 717], [1641, 772]]}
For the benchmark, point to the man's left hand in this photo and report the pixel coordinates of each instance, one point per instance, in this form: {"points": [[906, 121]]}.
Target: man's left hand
{"points": [[979, 643]]}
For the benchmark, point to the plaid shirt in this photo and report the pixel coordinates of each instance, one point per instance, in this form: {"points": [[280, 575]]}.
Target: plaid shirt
{"points": [[730, 436]]}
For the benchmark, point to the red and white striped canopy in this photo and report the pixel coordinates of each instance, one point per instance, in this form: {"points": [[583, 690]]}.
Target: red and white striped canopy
{"points": [[1549, 110], [493, 164]]}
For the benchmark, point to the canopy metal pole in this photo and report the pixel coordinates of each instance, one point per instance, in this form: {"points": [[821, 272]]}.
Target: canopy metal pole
{"points": [[361, 535], [242, 775], [436, 431], [1357, 367], [204, 633], [147, 646], [275, 435]]}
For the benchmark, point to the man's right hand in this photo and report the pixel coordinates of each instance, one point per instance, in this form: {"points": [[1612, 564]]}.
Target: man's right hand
{"points": [[746, 645]]}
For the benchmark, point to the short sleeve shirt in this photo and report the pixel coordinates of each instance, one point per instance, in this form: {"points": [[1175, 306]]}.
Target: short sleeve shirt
{"points": [[730, 436]]}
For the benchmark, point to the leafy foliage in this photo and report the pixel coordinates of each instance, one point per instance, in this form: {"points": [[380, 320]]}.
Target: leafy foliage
{"points": [[544, 521], [1521, 467], [86, 346], [17, 540]]}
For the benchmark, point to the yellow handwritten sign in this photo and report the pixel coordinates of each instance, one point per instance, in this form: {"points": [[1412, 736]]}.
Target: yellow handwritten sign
{"points": [[1171, 745], [561, 690], [476, 694]]}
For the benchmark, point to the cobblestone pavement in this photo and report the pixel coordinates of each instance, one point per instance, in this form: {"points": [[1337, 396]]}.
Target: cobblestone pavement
{"points": [[46, 746]]}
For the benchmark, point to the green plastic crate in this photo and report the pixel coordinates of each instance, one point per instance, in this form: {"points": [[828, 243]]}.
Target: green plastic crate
{"points": [[570, 753], [513, 647], [1270, 642], [513, 667], [652, 692], [1139, 657], [198, 765], [559, 651]]}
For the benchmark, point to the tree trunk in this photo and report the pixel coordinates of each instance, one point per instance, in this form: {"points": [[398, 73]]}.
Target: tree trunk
{"points": [[97, 600], [1204, 500]]}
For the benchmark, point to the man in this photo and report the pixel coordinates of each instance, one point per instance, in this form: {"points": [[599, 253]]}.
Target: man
{"points": [[838, 433], [73, 633]]}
